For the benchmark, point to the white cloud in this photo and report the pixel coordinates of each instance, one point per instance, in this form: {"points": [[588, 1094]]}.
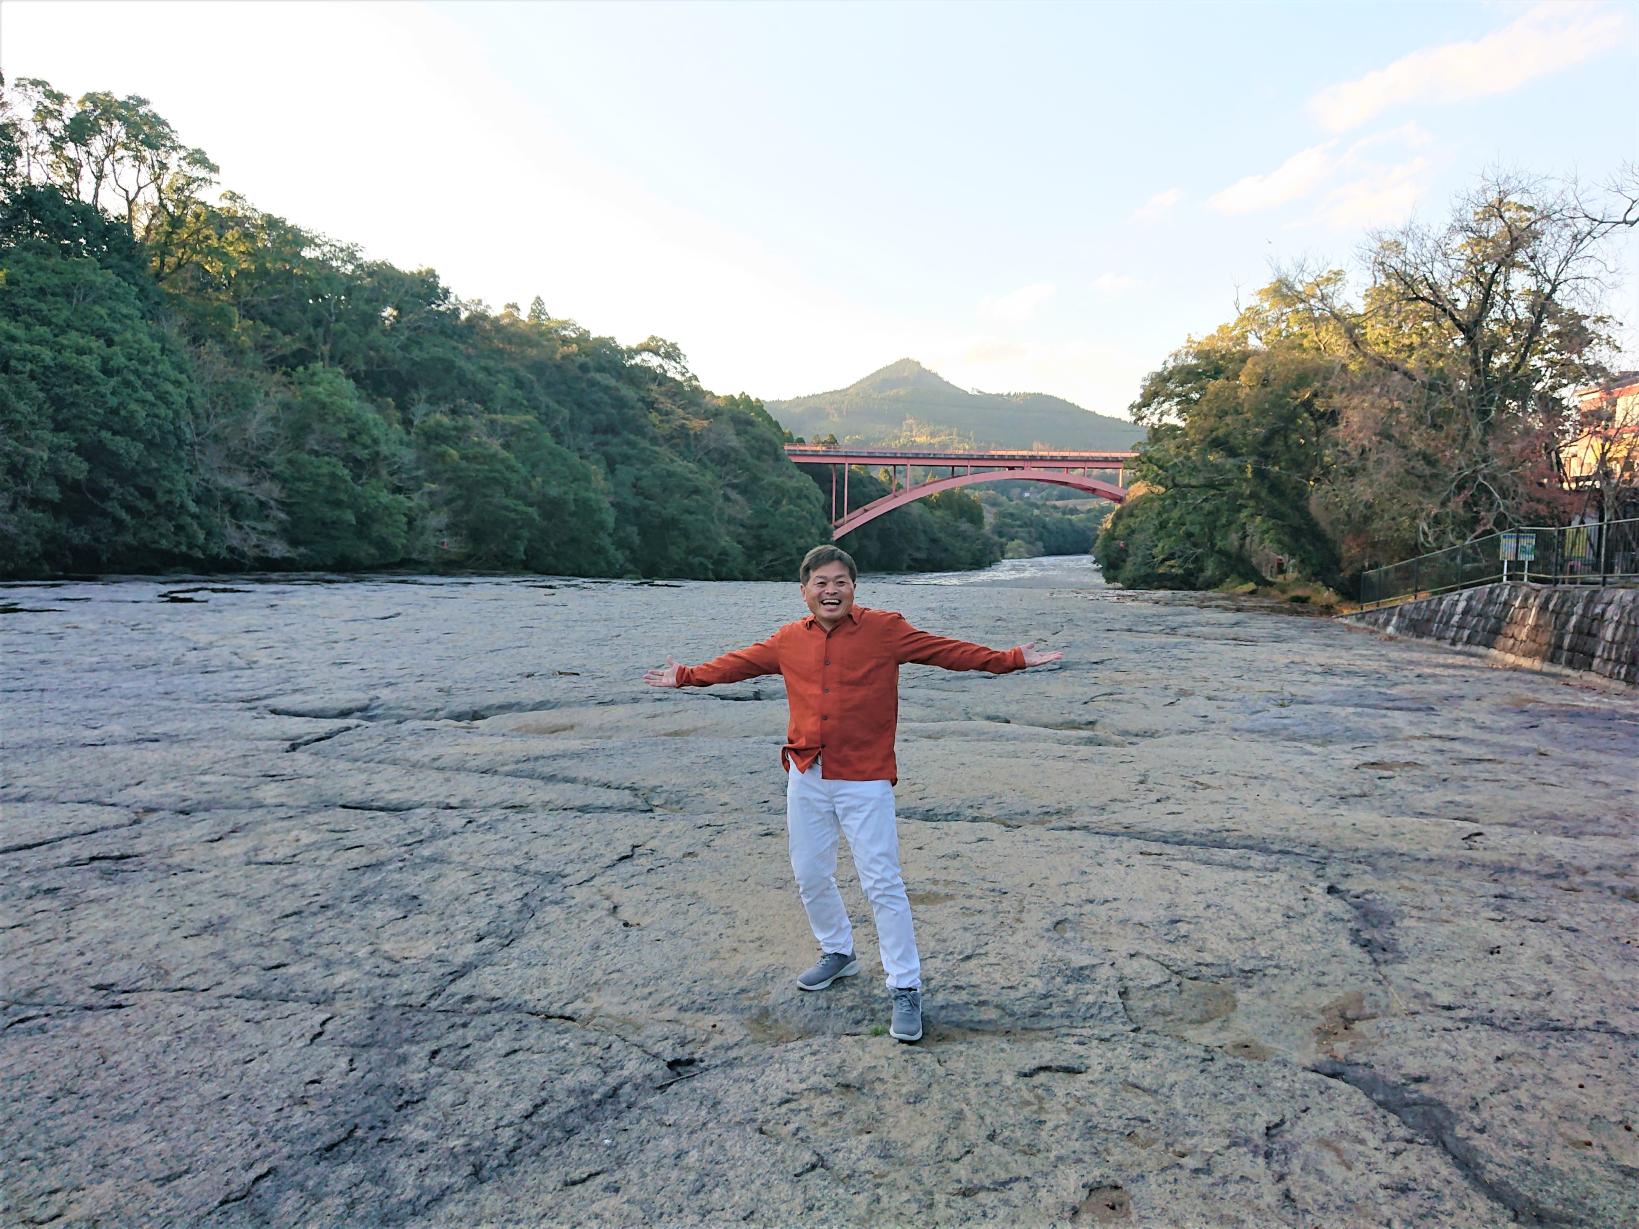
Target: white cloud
{"points": [[1362, 186], [1115, 283], [1412, 135], [1159, 205], [1547, 39], [1018, 306], [1379, 199], [1299, 175]]}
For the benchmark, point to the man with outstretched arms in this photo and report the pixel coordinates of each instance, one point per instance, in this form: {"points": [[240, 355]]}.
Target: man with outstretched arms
{"points": [[841, 669]]}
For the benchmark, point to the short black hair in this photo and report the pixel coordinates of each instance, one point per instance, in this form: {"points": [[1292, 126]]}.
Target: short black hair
{"points": [[822, 555]]}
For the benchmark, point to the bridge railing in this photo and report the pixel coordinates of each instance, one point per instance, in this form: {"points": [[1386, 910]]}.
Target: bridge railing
{"points": [[1591, 554], [837, 454]]}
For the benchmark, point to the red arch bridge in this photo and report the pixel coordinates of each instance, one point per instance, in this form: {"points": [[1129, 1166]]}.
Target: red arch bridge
{"points": [[1060, 468]]}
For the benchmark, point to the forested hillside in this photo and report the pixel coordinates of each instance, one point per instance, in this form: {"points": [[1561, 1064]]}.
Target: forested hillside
{"points": [[189, 382], [905, 403]]}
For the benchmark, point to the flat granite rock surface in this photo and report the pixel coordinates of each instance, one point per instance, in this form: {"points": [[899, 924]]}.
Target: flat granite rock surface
{"points": [[403, 901]]}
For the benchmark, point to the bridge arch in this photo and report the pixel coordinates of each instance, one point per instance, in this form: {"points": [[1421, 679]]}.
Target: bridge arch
{"points": [[867, 513]]}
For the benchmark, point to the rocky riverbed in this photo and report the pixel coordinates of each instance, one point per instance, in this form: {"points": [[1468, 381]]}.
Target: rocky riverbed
{"points": [[404, 902]]}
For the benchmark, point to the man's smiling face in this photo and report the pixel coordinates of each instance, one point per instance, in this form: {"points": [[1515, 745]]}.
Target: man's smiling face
{"points": [[829, 592]]}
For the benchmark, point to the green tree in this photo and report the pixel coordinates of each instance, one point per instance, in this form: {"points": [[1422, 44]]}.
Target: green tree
{"points": [[509, 497], [338, 473], [959, 505], [41, 213], [1238, 441], [112, 153], [1042, 528], [238, 445], [96, 436], [668, 521]]}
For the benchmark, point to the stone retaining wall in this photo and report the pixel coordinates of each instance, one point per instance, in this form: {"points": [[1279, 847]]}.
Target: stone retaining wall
{"points": [[1538, 626]]}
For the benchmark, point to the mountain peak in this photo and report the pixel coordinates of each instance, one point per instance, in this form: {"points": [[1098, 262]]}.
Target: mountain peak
{"points": [[904, 374], [901, 367]]}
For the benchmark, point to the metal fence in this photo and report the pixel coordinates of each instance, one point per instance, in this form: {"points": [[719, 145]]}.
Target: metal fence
{"points": [[1569, 555]]}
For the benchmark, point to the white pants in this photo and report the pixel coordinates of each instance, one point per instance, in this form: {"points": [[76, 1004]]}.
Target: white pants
{"points": [[816, 810]]}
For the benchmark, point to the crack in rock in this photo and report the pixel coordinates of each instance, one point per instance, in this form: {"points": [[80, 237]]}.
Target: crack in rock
{"points": [[244, 1192], [23, 846], [1001, 1184], [322, 711], [332, 1145], [1435, 1122], [1031, 1073], [625, 857], [324, 736], [1372, 931], [92, 859], [1284, 852]]}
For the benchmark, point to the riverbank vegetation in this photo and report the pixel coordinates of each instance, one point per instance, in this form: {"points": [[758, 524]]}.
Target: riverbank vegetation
{"points": [[188, 382], [1326, 430]]}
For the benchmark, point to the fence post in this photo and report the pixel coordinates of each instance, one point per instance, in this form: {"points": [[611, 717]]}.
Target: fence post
{"points": [[1604, 534]]}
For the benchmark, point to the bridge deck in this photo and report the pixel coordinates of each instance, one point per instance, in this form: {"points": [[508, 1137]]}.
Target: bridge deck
{"points": [[1057, 458]]}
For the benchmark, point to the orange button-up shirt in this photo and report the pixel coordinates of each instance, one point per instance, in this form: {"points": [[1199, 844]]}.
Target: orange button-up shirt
{"points": [[843, 685]]}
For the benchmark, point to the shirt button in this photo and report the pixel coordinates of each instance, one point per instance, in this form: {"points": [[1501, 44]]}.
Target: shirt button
{"points": [[825, 690], [824, 718], [828, 661]]}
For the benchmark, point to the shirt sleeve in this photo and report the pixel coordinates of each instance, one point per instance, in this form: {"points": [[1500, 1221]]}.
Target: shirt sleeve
{"points": [[747, 663], [913, 645]]}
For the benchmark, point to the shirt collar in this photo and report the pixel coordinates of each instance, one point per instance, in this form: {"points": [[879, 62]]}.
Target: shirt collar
{"points": [[812, 620]]}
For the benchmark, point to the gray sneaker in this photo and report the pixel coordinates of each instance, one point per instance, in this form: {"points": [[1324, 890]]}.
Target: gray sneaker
{"points": [[831, 966], [907, 1016]]}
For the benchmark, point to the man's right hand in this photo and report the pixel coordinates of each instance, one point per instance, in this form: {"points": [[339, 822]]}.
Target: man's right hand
{"points": [[663, 676]]}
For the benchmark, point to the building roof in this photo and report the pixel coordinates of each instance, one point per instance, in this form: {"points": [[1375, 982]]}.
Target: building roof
{"points": [[1621, 382]]}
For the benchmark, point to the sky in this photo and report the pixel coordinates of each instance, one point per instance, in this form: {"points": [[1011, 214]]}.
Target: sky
{"points": [[1023, 197]]}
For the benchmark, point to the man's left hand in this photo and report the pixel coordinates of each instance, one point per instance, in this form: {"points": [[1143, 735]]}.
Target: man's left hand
{"points": [[1035, 657]]}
